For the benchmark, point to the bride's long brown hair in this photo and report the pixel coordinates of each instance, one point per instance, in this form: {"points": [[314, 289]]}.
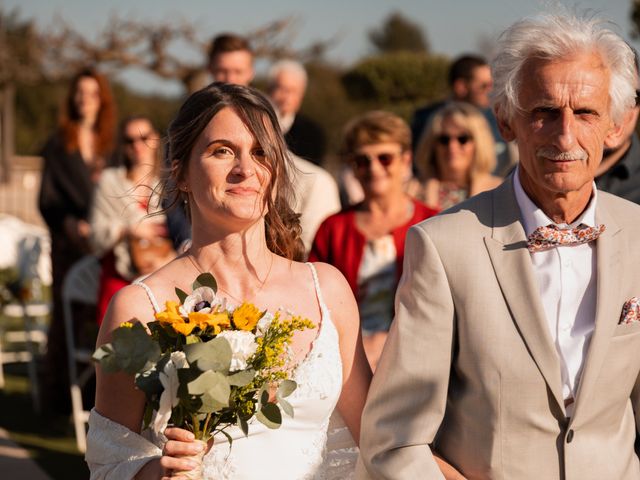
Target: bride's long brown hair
{"points": [[282, 223]]}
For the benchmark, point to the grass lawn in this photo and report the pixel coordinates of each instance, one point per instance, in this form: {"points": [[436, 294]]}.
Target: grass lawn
{"points": [[49, 439]]}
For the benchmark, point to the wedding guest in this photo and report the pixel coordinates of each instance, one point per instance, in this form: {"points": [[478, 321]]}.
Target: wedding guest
{"points": [[470, 81], [456, 156], [287, 85], [127, 229], [231, 59], [366, 241], [514, 349], [619, 171], [74, 158], [230, 165]]}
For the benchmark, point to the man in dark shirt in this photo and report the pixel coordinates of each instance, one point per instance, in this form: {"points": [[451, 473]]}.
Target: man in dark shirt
{"points": [[619, 172], [287, 86]]}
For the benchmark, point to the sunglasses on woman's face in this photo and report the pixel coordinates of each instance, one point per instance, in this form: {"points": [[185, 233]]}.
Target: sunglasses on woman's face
{"points": [[445, 140], [364, 161]]}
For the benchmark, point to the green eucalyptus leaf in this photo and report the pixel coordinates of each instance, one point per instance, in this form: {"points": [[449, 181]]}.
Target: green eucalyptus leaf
{"points": [[148, 415], [242, 378], [134, 349], [229, 439], [206, 280], [149, 382], [286, 407], [264, 396], [107, 359], [102, 352], [286, 388], [270, 416], [182, 295], [244, 425], [213, 390], [212, 355]]}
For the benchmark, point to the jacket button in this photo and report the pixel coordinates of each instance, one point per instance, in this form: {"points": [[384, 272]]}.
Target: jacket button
{"points": [[570, 436]]}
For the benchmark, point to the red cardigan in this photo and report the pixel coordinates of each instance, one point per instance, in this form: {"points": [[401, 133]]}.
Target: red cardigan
{"points": [[339, 243]]}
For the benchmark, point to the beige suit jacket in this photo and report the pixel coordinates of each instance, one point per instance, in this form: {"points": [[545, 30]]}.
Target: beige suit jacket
{"points": [[470, 369]]}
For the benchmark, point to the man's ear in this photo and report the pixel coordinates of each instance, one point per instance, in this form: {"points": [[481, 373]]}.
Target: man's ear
{"points": [[618, 133], [503, 125]]}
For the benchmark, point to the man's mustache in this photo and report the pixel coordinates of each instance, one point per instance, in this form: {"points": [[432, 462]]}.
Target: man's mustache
{"points": [[553, 153]]}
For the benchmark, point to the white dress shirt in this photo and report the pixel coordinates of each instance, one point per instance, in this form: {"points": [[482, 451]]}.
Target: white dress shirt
{"points": [[567, 279]]}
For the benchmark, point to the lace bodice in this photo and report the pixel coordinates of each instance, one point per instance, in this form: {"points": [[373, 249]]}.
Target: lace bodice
{"points": [[297, 450]]}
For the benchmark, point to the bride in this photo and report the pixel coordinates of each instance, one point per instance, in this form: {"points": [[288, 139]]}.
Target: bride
{"points": [[230, 168]]}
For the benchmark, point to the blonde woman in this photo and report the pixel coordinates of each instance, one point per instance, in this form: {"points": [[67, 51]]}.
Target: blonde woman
{"points": [[456, 156]]}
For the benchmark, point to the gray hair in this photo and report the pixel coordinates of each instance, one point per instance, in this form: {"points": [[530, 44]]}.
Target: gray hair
{"points": [[290, 66], [555, 36]]}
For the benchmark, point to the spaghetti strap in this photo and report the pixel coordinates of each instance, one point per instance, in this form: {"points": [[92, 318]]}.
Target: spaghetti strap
{"points": [[152, 298], [323, 308]]}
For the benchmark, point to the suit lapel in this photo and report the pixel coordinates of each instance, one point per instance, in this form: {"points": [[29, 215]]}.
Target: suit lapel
{"points": [[609, 246], [512, 266]]}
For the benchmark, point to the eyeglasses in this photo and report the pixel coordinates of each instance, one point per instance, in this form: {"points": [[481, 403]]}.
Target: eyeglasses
{"points": [[364, 161], [132, 140], [444, 140]]}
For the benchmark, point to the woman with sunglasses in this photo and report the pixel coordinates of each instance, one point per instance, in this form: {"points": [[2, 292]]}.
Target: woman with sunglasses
{"points": [[130, 241], [456, 156], [366, 241]]}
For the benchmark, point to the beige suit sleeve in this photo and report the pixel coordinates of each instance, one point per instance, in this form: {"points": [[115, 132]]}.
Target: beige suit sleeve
{"points": [[408, 395]]}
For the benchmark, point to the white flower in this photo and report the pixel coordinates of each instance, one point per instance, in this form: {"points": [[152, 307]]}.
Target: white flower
{"points": [[264, 323], [243, 345], [170, 383], [202, 299]]}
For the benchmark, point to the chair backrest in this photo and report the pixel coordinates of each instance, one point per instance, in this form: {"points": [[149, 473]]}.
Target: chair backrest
{"points": [[80, 285], [82, 281]]}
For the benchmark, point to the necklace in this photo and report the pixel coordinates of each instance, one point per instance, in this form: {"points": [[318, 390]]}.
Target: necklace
{"points": [[198, 267]]}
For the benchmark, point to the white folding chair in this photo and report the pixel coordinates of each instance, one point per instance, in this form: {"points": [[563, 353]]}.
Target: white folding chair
{"points": [[32, 338], [80, 285]]}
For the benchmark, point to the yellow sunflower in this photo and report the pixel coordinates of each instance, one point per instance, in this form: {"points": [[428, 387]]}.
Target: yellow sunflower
{"points": [[246, 316], [170, 315], [218, 320]]}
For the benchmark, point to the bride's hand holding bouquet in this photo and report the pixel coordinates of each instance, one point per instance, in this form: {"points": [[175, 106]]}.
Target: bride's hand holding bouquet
{"points": [[205, 366]]}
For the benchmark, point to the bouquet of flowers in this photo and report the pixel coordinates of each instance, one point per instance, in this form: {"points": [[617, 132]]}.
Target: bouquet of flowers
{"points": [[204, 366]]}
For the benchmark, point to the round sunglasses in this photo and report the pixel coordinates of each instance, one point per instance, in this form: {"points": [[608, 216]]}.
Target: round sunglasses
{"points": [[362, 160], [445, 140]]}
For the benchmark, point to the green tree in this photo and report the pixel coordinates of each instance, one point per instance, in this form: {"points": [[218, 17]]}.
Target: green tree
{"points": [[399, 34], [20, 59], [397, 81]]}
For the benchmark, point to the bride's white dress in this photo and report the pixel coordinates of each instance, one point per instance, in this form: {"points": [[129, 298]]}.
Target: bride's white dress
{"points": [[304, 447]]}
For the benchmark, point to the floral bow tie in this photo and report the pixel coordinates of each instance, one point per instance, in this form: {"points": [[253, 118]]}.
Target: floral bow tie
{"points": [[546, 238]]}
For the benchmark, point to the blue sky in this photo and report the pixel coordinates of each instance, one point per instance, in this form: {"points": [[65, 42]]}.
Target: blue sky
{"points": [[452, 26]]}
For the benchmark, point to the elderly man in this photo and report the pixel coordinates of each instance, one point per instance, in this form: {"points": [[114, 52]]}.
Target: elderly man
{"points": [[514, 353], [287, 85]]}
